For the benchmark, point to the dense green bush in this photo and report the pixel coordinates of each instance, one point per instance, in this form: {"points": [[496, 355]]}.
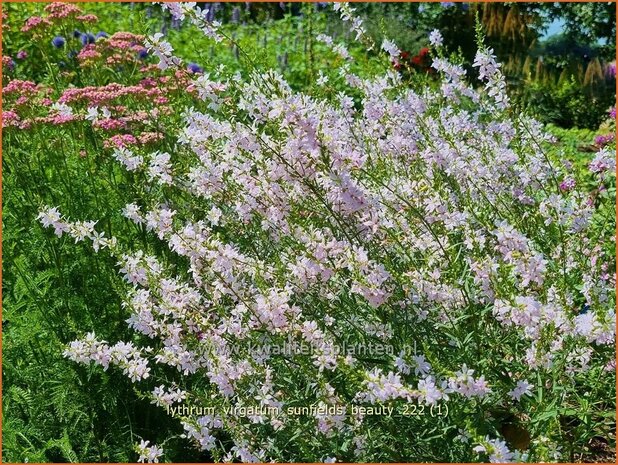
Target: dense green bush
{"points": [[55, 290], [568, 103]]}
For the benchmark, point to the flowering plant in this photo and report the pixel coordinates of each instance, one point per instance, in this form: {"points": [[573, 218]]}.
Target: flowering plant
{"points": [[355, 278]]}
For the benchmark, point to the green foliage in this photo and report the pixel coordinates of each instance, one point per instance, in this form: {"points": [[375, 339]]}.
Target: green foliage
{"points": [[567, 103], [561, 50], [590, 22], [53, 291]]}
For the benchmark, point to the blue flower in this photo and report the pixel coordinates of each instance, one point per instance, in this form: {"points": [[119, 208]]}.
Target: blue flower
{"points": [[101, 34], [87, 39], [142, 54], [77, 33], [58, 42], [195, 68]]}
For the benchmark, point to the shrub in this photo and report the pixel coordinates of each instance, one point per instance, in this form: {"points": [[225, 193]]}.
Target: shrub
{"points": [[353, 276], [569, 103]]}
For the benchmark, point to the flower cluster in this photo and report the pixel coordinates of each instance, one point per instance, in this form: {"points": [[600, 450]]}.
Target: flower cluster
{"points": [[149, 454]]}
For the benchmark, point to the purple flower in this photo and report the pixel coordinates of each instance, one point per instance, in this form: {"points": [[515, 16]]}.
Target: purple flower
{"points": [[567, 184], [22, 55], [210, 16], [195, 68], [142, 54], [603, 161], [612, 113], [58, 41], [8, 62], [603, 139]]}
